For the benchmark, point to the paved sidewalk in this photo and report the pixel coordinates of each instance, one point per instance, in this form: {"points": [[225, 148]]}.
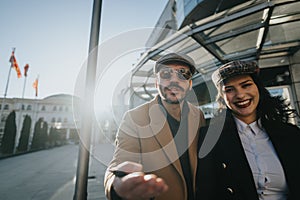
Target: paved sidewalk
{"points": [[95, 181], [50, 173], [100, 157]]}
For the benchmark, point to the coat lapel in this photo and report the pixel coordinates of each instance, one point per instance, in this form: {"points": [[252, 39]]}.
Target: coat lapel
{"points": [[193, 129], [162, 133], [236, 160]]}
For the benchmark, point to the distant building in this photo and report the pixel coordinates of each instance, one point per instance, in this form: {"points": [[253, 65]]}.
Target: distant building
{"points": [[56, 110]]}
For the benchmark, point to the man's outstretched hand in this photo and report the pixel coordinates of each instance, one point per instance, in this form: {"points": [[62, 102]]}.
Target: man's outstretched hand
{"points": [[133, 184]]}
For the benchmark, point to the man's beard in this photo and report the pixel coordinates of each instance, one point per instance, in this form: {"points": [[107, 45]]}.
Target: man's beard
{"points": [[168, 100]]}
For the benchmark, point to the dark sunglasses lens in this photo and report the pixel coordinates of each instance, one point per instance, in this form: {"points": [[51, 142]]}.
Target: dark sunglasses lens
{"points": [[165, 74], [184, 74]]}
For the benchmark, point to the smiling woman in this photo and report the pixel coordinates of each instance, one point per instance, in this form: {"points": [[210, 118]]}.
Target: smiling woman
{"points": [[255, 155], [241, 95]]}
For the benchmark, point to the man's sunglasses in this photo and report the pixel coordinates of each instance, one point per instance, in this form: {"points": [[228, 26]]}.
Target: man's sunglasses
{"points": [[182, 74]]}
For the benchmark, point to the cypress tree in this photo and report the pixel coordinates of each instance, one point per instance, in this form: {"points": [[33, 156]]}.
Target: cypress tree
{"points": [[44, 135], [35, 144], [52, 137], [40, 135], [25, 132], [9, 136]]}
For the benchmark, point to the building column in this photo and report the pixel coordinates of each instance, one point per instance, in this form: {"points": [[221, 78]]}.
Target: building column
{"points": [[295, 76]]}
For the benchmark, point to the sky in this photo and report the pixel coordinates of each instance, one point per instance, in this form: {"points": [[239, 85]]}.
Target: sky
{"points": [[52, 36]]}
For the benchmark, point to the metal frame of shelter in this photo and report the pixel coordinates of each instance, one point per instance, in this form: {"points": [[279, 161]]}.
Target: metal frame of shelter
{"points": [[265, 31]]}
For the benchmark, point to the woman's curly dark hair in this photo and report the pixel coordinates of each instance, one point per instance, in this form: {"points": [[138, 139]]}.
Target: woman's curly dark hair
{"points": [[272, 108]]}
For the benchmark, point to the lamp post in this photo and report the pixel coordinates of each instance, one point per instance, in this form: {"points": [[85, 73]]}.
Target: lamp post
{"points": [[86, 128]]}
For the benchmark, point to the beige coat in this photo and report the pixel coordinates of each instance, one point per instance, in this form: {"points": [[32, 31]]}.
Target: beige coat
{"points": [[145, 137]]}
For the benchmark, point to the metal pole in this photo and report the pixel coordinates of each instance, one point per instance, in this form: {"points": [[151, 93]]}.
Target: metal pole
{"points": [[86, 128], [24, 87], [5, 93]]}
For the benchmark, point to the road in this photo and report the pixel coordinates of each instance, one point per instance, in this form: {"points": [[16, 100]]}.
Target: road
{"points": [[48, 175]]}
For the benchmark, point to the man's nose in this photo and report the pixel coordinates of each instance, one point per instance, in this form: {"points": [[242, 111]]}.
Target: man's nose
{"points": [[174, 76]]}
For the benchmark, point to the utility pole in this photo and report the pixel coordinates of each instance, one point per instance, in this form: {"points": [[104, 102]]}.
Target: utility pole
{"points": [[87, 119]]}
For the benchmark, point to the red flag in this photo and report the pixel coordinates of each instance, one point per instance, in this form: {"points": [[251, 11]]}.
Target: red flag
{"points": [[26, 69], [35, 86], [14, 64]]}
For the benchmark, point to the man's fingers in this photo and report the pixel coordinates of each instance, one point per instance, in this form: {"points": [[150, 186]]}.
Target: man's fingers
{"points": [[137, 185], [150, 187], [129, 167]]}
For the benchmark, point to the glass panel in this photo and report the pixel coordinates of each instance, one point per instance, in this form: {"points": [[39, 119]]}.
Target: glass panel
{"points": [[29, 107], [273, 62], [239, 43], [285, 92], [142, 80], [287, 9], [180, 12], [148, 66], [241, 22], [203, 59], [284, 33], [209, 110], [183, 45], [200, 56], [6, 107]]}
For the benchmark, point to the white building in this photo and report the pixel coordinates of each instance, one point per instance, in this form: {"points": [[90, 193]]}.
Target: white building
{"points": [[56, 110]]}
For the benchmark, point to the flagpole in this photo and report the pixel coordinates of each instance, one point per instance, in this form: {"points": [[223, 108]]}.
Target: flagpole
{"points": [[6, 88], [7, 83], [24, 87]]}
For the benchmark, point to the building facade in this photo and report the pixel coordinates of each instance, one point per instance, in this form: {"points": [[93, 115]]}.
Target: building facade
{"points": [[56, 110]]}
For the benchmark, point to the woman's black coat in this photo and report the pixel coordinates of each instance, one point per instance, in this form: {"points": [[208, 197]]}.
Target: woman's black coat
{"points": [[224, 172]]}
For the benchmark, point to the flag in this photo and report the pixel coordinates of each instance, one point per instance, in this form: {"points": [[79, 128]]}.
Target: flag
{"points": [[14, 64], [35, 86], [26, 67]]}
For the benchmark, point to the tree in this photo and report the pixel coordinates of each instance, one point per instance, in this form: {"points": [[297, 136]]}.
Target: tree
{"points": [[53, 137], [25, 132], [9, 136], [44, 135], [40, 134]]}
